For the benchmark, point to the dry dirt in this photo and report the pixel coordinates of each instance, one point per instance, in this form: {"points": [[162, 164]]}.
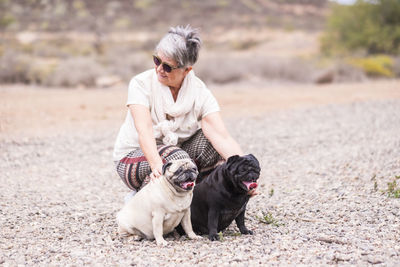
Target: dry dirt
{"points": [[326, 152], [35, 111]]}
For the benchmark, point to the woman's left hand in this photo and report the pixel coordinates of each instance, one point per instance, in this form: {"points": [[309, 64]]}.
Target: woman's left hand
{"points": [[253, 193]]}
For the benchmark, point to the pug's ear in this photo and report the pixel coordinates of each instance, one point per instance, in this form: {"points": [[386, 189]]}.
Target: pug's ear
{"points": [[232, 159], [253, 158], [165, 167], [232, 163]]}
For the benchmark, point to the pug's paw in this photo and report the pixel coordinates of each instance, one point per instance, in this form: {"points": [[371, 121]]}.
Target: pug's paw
{"points": [[213, 237], [194, 236], [245, 231], [161, 243]]}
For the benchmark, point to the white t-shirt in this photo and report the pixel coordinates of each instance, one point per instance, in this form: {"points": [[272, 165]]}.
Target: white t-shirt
{"points": [[139, 92]]}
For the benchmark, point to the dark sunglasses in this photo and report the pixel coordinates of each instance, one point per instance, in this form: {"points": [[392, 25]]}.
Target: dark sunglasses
{"points": [[166, 67]]}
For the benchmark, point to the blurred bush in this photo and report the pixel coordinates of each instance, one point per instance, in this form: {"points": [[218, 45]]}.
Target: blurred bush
{"points": [[345, 72], [41, 71], [15, 67], [222, 69], [227, 68], [396, 66], [125, 62], [106, 16], [370, 26], [6, 17], [378, 66], [293, 69], [80, 71]]}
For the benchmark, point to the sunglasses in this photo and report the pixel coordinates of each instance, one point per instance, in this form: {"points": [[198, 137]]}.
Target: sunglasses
{"points": [[166, 67]]}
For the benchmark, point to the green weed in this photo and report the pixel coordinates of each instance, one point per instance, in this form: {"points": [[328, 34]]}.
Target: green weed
{"points": [[375, 183], [267, 218], [221, 236], [393, 188], [271, 192]]}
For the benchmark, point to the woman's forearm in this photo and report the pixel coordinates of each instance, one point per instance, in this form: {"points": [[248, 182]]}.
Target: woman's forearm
{"points": [[148, 145], [226, 146], [147, 142], [215, 131]]}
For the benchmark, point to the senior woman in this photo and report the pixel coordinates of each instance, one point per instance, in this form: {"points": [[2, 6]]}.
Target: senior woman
{"points": [[171, 115]]}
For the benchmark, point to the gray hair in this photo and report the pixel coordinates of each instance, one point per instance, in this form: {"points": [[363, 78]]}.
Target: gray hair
{"points": [[181, 44]]}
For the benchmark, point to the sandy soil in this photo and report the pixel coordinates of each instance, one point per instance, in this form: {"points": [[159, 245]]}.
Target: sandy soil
{"points": [[35, 111], [327, 154]]}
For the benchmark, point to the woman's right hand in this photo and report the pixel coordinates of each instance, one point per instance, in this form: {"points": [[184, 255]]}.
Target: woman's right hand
{"points": [[144, 126], [156, 171]]}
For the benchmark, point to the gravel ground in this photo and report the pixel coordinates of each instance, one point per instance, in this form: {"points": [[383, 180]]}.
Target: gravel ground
{"points": [[324, 173]]}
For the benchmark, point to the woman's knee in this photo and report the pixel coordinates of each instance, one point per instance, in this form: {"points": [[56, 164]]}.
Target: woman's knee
{"points": [[170, 153]]}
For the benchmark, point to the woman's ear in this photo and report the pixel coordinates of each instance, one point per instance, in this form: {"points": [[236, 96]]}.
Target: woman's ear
{"points": [[187, 69]]}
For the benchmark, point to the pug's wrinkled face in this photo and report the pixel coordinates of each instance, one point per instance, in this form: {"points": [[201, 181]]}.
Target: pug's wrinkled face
{"points": [[244, 171], [181, 174]]}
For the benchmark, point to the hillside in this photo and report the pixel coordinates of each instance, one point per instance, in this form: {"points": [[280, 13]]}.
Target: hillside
{"points": [[150, 15], [84, 43]]}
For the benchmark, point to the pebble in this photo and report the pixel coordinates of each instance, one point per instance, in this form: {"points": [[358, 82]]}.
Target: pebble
{"points": [[60, 195]]}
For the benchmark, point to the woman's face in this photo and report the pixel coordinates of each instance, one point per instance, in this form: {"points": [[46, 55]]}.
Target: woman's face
{"points": [[175, 77]]}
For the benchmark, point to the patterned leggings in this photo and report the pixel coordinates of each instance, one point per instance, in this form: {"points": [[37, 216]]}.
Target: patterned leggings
{"points": [[134, 169]]}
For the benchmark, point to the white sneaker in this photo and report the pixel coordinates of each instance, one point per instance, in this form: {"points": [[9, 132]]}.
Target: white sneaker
{"points": [[129, 196]]}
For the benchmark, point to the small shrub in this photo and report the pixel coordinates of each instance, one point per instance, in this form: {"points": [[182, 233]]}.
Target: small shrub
{"points": [[396, 66], [48, 49], [345, 72], [126, 64], [41, 71], [143, 4], [221, 236], [6, 19], [373, 178], [244, 44], [378, 66], [295, 69], [221, 69], [267, 218], [122, 23], [14, 67], [372, 26], [225, 68], [77, 72], [394, 188], [271, 192]]}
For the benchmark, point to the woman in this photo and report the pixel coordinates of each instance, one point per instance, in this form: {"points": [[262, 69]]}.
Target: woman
{"points": [[172, 115]]}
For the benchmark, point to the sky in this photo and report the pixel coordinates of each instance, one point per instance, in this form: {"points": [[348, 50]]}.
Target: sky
{"points": [[345, 2]]}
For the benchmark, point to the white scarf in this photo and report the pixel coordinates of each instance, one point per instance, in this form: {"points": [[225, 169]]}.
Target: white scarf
{"points": [[164, 104]]}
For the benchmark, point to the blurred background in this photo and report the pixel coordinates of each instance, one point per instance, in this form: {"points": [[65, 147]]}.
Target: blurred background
{"points": [[101, 44]]}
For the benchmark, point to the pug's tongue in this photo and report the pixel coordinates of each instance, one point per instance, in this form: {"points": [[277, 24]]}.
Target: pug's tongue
{"points": [[185, 185], [250, 185]]}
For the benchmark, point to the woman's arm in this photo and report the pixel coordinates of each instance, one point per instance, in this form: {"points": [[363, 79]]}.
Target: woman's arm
{"points": [[141, 116], [215, 131]]}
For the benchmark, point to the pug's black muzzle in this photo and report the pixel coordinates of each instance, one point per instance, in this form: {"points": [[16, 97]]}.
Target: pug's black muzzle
{"points": [[186, 180]]}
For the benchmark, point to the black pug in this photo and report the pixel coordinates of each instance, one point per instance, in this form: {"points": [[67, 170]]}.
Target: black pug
{"points": [[223, 195]]}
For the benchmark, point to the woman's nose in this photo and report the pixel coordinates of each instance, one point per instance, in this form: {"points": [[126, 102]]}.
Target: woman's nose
{"points": [[160, 68]]}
